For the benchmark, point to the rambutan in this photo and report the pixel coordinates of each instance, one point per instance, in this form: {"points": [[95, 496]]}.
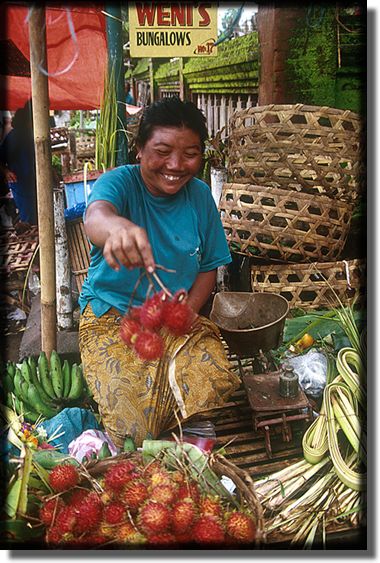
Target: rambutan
{"points": [[134, 494], [119, 475], [240, 527], [184, 514], [89, 513], [167, 494], [164, 540], [189, 489], [149, 345], [77, 496], [152, 467], [53, 536], [210, 505], [127, 533], [50, 509], [153, 517], [66, 520], [63, 477], [177, 317], [129, 329], [208, 530], [151, 312], [114, 512], [159, 477]]}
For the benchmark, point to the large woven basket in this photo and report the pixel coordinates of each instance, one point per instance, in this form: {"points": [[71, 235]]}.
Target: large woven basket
{"points": [[282, 225], [310, 149], [313, 286]]}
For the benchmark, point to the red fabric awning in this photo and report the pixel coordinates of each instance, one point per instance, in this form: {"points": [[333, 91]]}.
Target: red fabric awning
{"points": [[76, 52]]}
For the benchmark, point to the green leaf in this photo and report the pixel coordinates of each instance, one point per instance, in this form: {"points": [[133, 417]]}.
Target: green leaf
{"points": [[12, 499]]}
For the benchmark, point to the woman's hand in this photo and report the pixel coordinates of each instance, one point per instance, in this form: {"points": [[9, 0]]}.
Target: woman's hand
{"points": [[123, 242]]}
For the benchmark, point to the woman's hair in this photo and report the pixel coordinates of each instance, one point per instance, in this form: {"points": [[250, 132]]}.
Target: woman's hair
{"points": [[171, 112]]}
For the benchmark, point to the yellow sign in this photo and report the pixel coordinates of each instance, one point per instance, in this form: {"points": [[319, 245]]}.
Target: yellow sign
{"points": [[172, 29]]}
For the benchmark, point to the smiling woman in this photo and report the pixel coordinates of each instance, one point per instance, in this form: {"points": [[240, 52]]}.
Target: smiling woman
{"points": [[141, 217]]}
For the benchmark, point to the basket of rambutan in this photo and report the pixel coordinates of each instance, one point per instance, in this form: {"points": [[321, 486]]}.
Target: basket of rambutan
{"points": [[171, 500]]}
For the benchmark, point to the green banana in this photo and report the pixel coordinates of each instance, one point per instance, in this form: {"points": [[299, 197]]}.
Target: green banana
{"points": [[32, 368], [44, 375], [66, 374], [29, 414], [77, 382], [17, 382], [7, 382], [35, 380], [56, 374], [37, 403], [11, 368], [24, 386], [25, 371]]}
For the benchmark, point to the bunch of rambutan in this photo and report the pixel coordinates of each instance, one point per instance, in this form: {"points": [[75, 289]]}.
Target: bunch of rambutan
{"points": [[140, 327], [145, 506]]}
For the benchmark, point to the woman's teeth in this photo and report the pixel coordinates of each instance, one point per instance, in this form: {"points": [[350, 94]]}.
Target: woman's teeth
{"points": [[171, 178]]}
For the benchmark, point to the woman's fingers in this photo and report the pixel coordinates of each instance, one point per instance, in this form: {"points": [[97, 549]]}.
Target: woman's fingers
{"points": [[130, 248]]}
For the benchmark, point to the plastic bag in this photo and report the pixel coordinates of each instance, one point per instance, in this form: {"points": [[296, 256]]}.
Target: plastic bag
{"points": [[311, 369], [89, 442]]}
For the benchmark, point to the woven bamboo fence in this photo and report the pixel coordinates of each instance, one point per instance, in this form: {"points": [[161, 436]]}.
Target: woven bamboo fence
{"points": [[277, 224], [314, 285], [309, 149]]}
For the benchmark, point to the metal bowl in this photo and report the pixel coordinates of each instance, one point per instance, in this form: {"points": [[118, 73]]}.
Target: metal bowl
{"points": [[250, 322]]}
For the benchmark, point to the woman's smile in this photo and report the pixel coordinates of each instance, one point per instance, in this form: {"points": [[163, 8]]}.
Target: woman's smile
{"points": [[169, 159]]}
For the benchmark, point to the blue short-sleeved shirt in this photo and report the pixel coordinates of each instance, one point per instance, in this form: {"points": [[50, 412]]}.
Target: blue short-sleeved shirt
{"points": [[184, 230]]}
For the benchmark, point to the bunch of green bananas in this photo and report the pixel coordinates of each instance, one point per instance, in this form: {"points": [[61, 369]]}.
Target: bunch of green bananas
{"points": [[42, 387]]}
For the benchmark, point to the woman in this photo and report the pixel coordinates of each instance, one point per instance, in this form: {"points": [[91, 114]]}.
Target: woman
{"points": [[139, 218]]}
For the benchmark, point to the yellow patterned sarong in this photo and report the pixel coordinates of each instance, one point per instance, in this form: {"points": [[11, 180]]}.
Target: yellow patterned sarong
{"points": [[144, 398]]}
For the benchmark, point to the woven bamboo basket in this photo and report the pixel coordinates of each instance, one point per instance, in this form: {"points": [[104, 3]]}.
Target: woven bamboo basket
{"points": [[313, 286], [282, 225], [310, 149]]}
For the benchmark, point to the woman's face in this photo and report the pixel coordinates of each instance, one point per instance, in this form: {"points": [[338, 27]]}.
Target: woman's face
{"points": [[169, 159]]}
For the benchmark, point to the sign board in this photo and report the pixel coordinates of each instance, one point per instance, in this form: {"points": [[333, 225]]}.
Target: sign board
{"points": [[172, 29]]}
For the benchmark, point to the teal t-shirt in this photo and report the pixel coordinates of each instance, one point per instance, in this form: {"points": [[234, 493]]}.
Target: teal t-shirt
{"points": [[184, 230]]}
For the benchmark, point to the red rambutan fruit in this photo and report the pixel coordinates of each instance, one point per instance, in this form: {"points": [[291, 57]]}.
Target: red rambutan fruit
{"points": [[210, 505], [177, 317], [77, 496], [134, 494], [164, 540], [151, 312], [240, 527], [89, 513], [50, 509], [149, 345], [189, 489], [129, 329], [119, 475], [53, 536], [159, 476], [184, 515], [167, 494], [208, 530], [153, 517], [63, 477], [114, 512], [127, 533], [66, 520]]}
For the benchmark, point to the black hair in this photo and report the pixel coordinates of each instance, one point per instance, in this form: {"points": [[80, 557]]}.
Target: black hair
{"points": [[171, 112]]}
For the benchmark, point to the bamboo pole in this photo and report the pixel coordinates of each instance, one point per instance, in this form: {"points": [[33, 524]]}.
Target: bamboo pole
{"points": [[40, 102]]}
